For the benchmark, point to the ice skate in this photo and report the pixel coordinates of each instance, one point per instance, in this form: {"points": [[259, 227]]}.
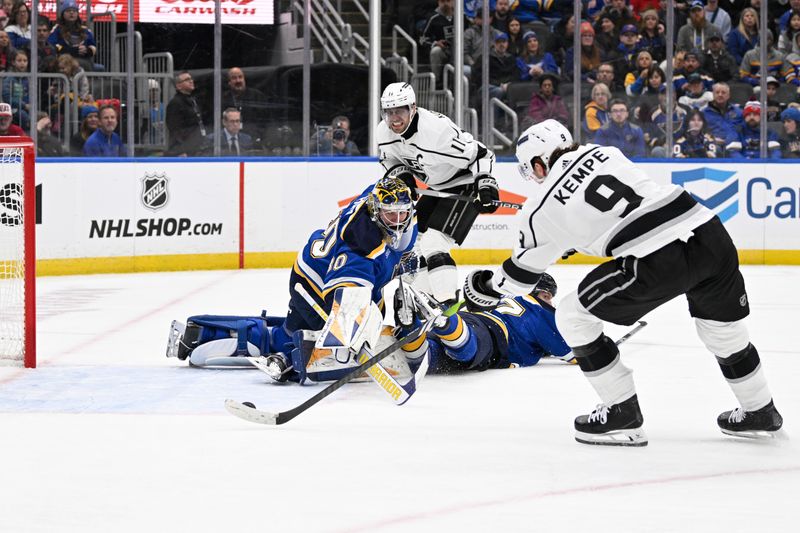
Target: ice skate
{"points": [[617, 425], [275, 365], [176, 331], [762, 423]]}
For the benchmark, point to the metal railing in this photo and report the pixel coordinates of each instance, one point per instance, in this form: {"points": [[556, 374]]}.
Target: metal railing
{"points": [[54, 97], [397, 31], [104, 28], [498, 136], [329, 29]]}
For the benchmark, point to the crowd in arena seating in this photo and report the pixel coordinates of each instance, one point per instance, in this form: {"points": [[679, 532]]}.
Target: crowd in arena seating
{"points": [[716, 65]]}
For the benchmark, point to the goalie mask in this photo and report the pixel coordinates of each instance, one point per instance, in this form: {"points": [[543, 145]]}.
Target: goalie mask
{"points": [[398, 105], [390, 207], [539, 142]]}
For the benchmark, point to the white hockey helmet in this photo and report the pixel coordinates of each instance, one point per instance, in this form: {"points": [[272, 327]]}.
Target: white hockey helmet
{"points": [[540, 141], [398, 95]]}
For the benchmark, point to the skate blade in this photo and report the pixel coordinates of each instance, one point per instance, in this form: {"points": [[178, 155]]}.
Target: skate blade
{"points": [[621, 437], [752, 434], [176, 331]]}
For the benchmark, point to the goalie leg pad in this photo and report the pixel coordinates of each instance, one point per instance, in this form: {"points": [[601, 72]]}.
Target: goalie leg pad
{"points": [[246, 330]]}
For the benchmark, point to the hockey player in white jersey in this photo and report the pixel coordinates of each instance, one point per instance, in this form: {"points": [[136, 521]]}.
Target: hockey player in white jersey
{"points": [[415, 142], [663, 243]]}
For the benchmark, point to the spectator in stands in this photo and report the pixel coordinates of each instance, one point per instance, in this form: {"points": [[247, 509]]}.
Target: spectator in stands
{"points": [[595, 113], [6, 51], [546, 104], [185, 119], [691, 65], [695, 96], [625, 56], [655, 132], [697, 30], [784, 22], [535, 62], [695, 141], [3, 19], [605, 34], [651, 35], [562, 39], [502, 68], [790, 140], [744, 37], [723, 118], [791, 64], [251, 103], [619, 12], [774, 107], [69, 67], [473, 40], [46, 144], [15, 89], [786, 42], [718, 17], [104, 142], [19, 31], [647, 88], [718, 62], [516, 43], [621, 133], [71, 36], [234, 142], [747, 145], [8, 6], [605, 74], [642, 64], [7, 127], [90, 119], [502, 14], [750, 69], [334, 141], [528, 11], [46, 51], [438, 37], [590, 55], [152, 129]]}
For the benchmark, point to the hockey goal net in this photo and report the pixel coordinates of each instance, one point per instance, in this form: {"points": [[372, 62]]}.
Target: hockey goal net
{"points": [[17, 252]]}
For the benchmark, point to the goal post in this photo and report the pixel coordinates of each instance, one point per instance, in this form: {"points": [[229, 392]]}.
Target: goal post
{"points": [[17, 252]]}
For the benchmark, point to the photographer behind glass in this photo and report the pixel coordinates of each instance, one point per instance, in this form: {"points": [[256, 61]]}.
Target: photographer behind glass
{"points": [[334, 139]]}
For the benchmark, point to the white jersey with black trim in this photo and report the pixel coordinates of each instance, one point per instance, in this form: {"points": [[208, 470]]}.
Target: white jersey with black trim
{"points": [[596, 201], [439, 152]]}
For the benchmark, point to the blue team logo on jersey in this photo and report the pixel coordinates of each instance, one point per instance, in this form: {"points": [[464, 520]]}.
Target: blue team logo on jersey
{"points": [[724, 201]]}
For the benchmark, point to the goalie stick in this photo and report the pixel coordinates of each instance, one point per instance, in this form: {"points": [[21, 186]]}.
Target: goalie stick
{"points": [[442, 194], [247, 411]]}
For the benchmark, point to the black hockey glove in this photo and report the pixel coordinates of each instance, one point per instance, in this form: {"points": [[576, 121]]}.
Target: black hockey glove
{"points": [[406, 176], [488, 193], [478, 292]]}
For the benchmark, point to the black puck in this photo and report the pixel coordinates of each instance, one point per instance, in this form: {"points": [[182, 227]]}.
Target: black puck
{"points": [[249, 404]]}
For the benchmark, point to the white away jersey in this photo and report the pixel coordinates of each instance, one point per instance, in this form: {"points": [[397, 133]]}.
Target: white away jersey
{"points": [[441, 154], [597, 202]]}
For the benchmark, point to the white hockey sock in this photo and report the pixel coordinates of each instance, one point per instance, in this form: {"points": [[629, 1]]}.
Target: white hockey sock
{"points": [[613, 383], [752, 390]]}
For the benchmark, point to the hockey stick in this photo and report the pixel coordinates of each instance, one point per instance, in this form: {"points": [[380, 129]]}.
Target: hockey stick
{"points": [[631, 333], [383, 378], [441, 194], [247, 411]]}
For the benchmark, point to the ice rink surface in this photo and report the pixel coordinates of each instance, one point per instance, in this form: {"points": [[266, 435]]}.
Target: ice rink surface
{"points": [[109, 435]]}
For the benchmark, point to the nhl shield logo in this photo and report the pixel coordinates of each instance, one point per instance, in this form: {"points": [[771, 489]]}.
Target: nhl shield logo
{"points": [[154, 191]]}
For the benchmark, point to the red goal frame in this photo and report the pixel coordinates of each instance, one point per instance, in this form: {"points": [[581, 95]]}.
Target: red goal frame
{"points": [[29, 229]]}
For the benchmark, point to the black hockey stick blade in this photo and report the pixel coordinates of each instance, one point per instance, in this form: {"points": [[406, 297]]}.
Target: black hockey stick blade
{"points": [[631, 333], [252, 414], [465, 198]]}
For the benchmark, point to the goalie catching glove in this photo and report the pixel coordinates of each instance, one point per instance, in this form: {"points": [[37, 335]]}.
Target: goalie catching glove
{"points": [[487, 193], [478, 292]]}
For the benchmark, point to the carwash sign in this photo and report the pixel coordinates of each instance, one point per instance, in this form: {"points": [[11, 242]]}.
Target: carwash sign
{"points": [[178, 11]]}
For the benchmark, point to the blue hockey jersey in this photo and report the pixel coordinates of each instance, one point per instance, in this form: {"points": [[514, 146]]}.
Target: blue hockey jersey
{"points": [[352, 251]]}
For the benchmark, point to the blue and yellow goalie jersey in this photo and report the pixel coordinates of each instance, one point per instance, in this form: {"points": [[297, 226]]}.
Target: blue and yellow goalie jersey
{"points": [[352, 251]]}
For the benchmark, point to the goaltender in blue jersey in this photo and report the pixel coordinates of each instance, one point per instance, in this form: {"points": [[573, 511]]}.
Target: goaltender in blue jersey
{"points": [[361, 247], [517, 333]]}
